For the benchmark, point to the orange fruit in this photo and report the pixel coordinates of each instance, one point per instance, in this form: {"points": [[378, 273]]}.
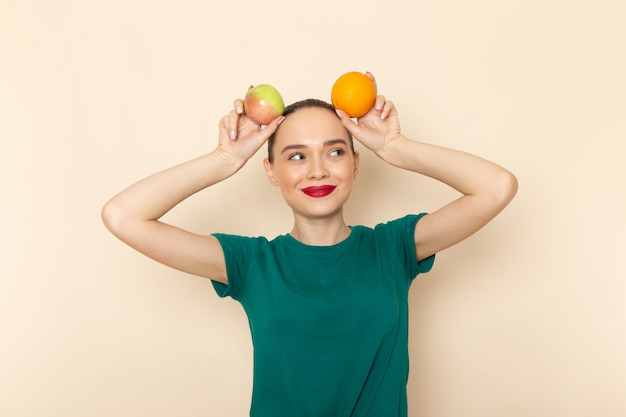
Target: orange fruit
{"points": [[353, 93]]}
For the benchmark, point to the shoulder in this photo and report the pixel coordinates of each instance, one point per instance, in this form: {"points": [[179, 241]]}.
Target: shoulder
{"points": [[232, 244], [402, 226], [392, 235], [394, 240]]}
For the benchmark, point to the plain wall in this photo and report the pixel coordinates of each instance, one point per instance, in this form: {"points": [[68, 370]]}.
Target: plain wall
{"points": [[526, 318]]}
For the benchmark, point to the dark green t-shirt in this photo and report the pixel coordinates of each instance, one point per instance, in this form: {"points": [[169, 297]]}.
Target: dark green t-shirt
{"points": [[329, 324]]}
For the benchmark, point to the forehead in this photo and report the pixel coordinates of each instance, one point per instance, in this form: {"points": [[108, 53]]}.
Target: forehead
{"points": [[310, 124]]}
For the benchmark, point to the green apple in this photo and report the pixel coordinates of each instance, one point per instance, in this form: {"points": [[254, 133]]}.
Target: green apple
{"points": [[263, 104]]}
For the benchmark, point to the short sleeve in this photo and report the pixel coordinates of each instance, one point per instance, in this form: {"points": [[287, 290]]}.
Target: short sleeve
{"points": [[402, 232], [425, 264], [238, 252]]}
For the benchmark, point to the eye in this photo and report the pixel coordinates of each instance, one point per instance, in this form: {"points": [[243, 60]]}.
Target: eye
{"points": [[296, 156], [337, 152]]}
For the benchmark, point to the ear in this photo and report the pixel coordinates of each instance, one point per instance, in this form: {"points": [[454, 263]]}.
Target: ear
{"points": [[357, 163], [269, 171]]}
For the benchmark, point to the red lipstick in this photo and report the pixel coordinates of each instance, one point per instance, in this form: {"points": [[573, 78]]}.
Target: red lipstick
{"points": [[319, 191]]}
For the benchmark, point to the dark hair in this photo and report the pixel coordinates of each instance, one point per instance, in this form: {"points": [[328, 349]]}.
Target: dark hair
{"points": [[299, 105]]}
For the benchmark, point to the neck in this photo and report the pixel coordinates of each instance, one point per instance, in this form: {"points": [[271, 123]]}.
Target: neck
{"points": [[322, 233]]}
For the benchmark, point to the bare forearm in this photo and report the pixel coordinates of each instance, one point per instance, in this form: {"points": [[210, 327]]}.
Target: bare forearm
{"points": [[152, 197], [467, 173]]}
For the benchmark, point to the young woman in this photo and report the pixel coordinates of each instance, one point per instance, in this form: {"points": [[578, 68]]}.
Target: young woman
{"points": [[327, 303]]}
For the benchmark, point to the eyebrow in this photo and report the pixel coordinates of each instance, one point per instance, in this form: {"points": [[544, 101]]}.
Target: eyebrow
{"points": [[327, 143]]}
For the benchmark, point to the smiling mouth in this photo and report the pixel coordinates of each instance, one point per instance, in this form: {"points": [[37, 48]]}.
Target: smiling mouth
{"points": [[319, 191]]}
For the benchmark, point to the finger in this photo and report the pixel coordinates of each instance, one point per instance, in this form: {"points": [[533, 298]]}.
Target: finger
{"points": [[233, 121], [269, 129], [238, 105], [371, 77], [347, 122], [379, 103], [388, 108], [223, 127]]}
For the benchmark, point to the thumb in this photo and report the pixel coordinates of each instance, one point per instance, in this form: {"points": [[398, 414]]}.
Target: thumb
{"points": [[270, 129], [348, 123]]}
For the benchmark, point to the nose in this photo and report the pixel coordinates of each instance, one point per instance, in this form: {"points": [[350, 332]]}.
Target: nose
{"points": [[317, 168]]}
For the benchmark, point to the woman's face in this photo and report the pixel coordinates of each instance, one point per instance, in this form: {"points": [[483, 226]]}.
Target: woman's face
{"points": [[314, 164]]}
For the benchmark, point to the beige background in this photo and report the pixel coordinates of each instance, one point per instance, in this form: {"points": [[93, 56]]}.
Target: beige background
{"points": [[527, 318]]}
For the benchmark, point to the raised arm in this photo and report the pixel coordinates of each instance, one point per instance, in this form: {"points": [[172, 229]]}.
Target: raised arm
{"points": [[486, 190], [133, 214], [486, 187]]}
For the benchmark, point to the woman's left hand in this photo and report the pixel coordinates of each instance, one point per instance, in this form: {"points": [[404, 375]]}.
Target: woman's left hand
{"points": [[379, 128]]}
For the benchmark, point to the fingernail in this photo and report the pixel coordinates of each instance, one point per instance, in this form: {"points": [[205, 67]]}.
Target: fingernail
{"points": [[281, 119], [239, 109], [233, 134], [383, 115]]}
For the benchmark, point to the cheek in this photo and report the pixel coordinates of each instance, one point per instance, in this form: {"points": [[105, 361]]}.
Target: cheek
{"points": [[345, 171], [287, 176]]}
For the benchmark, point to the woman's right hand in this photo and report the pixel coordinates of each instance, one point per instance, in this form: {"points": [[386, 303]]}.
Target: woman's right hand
{"points": [[134, 214], [239, 136]]}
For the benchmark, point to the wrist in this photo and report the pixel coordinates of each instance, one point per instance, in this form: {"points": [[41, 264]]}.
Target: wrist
{"points": [[393, 150], [227, 162]]}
